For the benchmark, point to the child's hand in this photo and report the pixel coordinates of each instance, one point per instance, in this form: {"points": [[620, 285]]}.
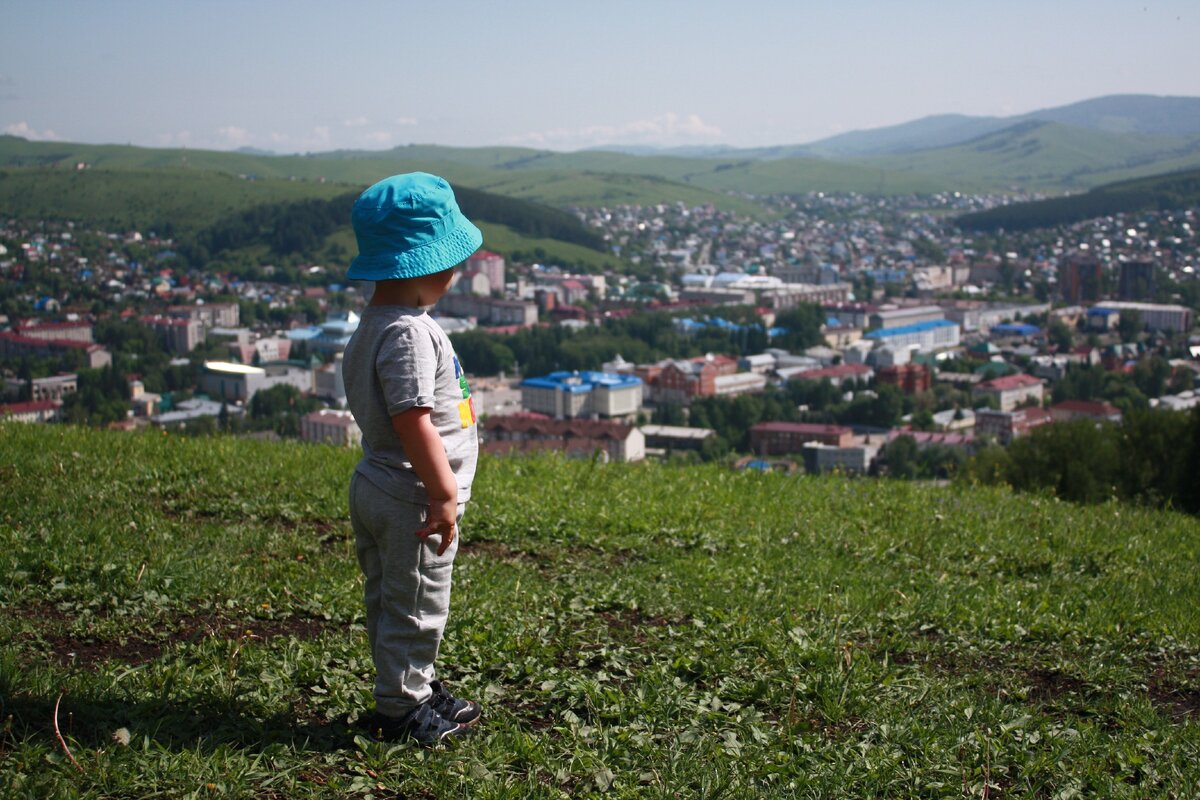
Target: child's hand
{"points": [[441, 519]]}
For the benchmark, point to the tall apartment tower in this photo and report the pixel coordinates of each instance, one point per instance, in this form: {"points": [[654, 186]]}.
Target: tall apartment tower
{"points": [[1080, 279], [1135, 281]]}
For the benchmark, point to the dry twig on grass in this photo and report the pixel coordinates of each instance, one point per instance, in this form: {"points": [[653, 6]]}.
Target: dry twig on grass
{"points": [[58, 733]]}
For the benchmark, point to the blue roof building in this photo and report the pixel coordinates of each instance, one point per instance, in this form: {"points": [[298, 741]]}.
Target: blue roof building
{"points": [[565, 395], [930, 335]]}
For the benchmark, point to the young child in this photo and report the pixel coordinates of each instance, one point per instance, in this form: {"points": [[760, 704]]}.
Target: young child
{"points": [[409, 396]]}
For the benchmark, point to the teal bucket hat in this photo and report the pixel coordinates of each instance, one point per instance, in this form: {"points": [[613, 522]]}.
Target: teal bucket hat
{"points": [[408, 226]]}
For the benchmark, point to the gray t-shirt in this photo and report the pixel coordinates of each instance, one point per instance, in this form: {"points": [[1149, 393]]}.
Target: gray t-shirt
{"points": [[397, 359]]}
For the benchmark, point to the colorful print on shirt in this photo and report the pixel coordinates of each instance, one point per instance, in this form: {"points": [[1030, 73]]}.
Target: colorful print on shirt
{"points": [[466, 409]]}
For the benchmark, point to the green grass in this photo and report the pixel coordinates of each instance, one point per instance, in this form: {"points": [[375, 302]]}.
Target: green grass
{"points": [[1047, 157], [138, 198], [632, 630]]}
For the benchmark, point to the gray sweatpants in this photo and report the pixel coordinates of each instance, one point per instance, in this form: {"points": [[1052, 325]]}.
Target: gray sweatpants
{"points": [[407, 593]]}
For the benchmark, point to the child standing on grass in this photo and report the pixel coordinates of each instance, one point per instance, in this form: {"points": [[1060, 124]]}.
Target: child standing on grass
{"points": [[409, 395]]}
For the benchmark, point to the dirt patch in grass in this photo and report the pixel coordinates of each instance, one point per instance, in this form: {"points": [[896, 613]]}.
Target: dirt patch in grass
{"points": [[554, 556], [88, 650], [1181, 702], [633, 618], [1052, 685], [490, 548]]}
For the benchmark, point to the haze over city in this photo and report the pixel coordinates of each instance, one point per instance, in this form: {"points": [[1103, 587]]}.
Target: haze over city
{"points": [[297, 77]]}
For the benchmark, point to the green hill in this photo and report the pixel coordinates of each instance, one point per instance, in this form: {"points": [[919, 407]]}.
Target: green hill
{"points": [[186, 614], [230, 217], [488, 169], [1047, 156], [1174, 190]]}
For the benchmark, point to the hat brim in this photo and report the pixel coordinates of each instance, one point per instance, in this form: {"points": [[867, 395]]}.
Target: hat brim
{"points": [[436, 256]]}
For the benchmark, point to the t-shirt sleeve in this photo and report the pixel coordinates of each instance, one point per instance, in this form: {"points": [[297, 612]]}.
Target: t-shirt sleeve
{"points": [[407, 369]]}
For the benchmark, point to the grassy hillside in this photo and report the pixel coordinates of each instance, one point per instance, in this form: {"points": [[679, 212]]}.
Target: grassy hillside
{"points": [[489, 169], [1048, 156], [188, 613], [195, 204], [188, 200], [1175, 190]]}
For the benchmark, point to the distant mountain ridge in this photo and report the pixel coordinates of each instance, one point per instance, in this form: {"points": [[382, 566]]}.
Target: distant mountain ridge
{"points": [[1118, 114], [1065, 149]]}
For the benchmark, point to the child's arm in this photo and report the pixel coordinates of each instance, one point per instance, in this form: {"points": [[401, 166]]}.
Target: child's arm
{"points": [[424, 448]]}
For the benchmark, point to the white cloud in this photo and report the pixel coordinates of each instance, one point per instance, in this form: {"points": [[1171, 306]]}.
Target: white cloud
{"points": [[177, 139], [233, 136], [405, 122], [27, 131], [355, 122], [378, 137], [666, 129]]}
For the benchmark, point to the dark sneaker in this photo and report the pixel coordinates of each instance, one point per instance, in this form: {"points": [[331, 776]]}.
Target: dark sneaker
{"points": [[464, 712], [423, 725]]}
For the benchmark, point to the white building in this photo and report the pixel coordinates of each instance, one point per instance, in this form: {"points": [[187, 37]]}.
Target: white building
{"points": [[330, 426], [926, 336], [567, 395], [1154, 316]]}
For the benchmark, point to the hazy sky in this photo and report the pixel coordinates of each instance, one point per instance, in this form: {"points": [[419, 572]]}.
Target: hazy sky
{"points": [[564, 74]]}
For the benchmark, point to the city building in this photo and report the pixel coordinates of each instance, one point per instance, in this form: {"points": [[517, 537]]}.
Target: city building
{"points": [[1011, 391], [854, 459], [209, 315], [1154, 316], [563, 395], [54, 387], [14, 345], [1004, 426], [334, 334], [908, 378], [664, 439], [902, 317], [577, 438], [490, 265], [177, 334], [1094, 410], [328, 382], [330, 426], [56, 331], [927, 336], [489, 310], [1080, 279], [186, 411], [31, 411], [977, 315], [238, 383], [781, 438], [1135, 280], [838, 374], [258, 351]]}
